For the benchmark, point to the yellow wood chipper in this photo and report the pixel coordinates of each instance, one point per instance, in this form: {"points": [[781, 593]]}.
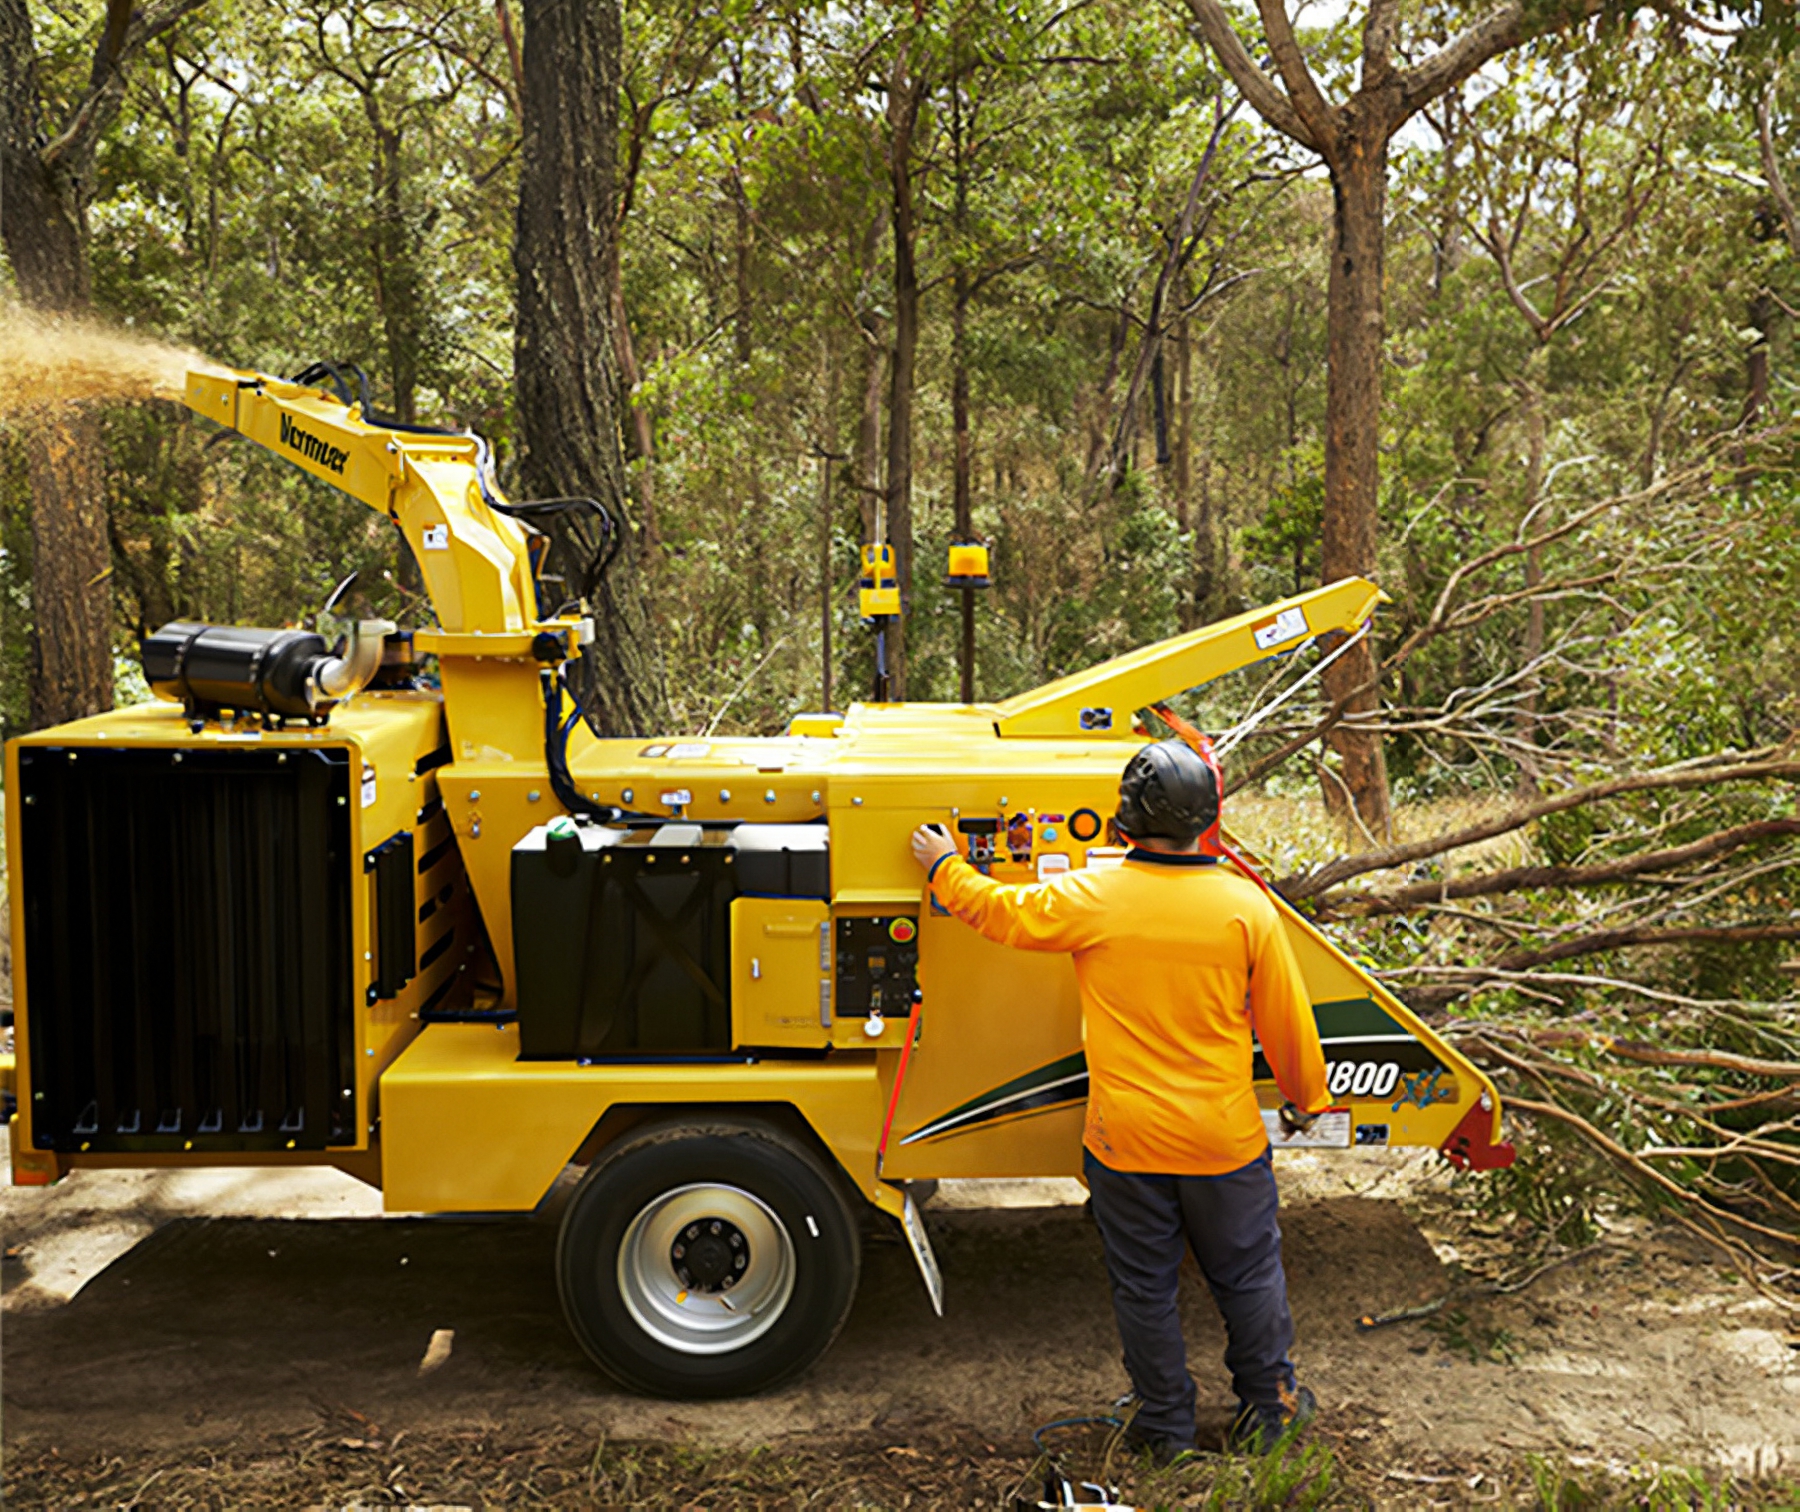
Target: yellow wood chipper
{"points": [[318, 906]]}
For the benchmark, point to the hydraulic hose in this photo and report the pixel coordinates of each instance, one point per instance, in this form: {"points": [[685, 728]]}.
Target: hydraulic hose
{"points": [[556, 755]]}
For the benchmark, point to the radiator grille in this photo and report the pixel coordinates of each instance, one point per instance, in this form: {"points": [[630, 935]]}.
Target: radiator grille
{"points": [[188, 944]]}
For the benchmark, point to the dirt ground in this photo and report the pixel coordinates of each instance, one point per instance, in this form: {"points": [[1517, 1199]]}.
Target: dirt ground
{"points": [[239, 1338]]}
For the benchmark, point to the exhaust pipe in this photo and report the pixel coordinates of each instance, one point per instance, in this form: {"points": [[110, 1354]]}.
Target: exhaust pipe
{"points": [[337, 677]]}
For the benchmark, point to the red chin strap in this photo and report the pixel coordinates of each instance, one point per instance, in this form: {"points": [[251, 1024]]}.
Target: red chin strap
{"points": [[1212, 842]]}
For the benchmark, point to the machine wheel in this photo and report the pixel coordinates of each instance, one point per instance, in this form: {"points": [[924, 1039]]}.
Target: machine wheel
{"points": [[706, 1259]]}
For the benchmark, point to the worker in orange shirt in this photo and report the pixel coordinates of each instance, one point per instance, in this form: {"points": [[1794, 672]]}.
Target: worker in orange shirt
{"points": [[1178, 960]]}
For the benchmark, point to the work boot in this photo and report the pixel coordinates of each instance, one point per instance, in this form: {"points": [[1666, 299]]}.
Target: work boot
{"points": [[1164, 1451], [1261, 1426]]}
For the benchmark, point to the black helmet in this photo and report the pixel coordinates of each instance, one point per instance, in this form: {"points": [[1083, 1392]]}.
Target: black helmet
{"points": [[1168, 792]]}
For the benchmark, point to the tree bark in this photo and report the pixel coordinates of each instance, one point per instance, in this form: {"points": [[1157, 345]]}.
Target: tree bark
{"points": [[398, 288], [643, 435], [870, 328], [740, 205], [564, 354], [829, 457], [905, 93], [71, 576], [1184, 439], [963, 458], [1525, 720], [1352, 138], [47, 186], [1353, 462], [868, 425], [963, 490]]}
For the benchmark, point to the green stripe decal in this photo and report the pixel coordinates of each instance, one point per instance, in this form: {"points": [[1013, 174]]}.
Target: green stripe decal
{"points": [[1350, 1018], [1062, 1081], [1065, 1081]]}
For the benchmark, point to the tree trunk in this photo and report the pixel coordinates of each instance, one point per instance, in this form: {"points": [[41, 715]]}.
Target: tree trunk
{"points": [[741, 324], [43, 220], [1525, 719], [1183, 474], [568, 386], [71, 577], [868, 426], [904, 94], [1352, 462], [397, 282], [643, 437], [740, 204], [964, 462], [827, 462], [963, 458]]}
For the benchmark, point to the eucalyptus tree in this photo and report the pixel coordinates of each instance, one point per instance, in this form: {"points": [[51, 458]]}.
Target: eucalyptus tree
{"points": [[1402, 69], [53, 123], [565, 363]]}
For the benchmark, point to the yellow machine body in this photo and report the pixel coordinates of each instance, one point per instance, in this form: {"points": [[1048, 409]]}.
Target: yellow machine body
{"points": [[449, 1116]]}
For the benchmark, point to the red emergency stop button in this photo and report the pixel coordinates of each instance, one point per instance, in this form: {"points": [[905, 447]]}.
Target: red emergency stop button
{"points": [[902, 930]]}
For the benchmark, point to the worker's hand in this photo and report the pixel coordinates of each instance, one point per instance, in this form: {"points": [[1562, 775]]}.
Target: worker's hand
{"points": [[1295, 1120], [930, 842]]}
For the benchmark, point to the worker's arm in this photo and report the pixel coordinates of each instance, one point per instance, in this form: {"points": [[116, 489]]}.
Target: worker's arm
{"points": [[1054, 915], [1282, 1015]]}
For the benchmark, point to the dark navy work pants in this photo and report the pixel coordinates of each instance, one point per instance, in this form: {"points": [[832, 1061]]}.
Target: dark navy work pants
{"points": [[1230, 1224]]}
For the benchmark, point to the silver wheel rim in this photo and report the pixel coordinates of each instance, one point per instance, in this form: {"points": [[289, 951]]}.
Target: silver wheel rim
{"points": [[693, 1319]]}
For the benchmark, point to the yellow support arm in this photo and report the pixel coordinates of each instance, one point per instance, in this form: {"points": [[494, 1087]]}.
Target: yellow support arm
{"points": [[473, 558], [1100, 701]]}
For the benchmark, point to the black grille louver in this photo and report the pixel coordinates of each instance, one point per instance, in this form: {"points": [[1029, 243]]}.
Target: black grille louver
{"points": [[188, 948]]}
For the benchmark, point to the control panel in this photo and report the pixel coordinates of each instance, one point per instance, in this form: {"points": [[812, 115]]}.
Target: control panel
{"points": [[877, 965], [978, 841]]}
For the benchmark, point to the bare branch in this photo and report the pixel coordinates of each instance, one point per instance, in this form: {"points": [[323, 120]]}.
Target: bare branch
{"points": [[1512, 879], [1625, 1157], [1771, 167], [1503, 27], [124, 36], [1263, 93], [1303, 90], [1661, 1055], [1623, 939], [1759, 767]]}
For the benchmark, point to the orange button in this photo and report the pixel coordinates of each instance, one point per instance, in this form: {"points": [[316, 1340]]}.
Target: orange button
{"points": [[901, 931]]}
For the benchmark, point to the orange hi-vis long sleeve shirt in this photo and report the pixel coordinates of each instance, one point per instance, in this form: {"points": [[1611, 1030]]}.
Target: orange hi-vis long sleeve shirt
{"points": [[1178, 959]]}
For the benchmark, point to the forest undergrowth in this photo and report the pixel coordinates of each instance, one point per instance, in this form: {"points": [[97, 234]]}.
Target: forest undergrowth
{"points": [[341, 1466], [1648, 1058]]}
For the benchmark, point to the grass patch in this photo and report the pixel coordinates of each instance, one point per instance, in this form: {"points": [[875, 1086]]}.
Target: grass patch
{"points": [[336, 1468]]}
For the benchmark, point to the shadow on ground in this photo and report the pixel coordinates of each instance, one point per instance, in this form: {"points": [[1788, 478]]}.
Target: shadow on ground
{"points": [[217, 1325]]}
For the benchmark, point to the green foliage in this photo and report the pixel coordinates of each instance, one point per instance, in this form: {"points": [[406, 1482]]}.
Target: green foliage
{"points": [[1578, 257]]}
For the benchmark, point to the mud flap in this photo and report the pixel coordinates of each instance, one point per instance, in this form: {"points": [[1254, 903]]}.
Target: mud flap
{"points": [[919, 1242]]}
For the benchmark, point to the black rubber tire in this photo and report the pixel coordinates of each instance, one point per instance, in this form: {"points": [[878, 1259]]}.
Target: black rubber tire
{"points": [[755, 1157]]}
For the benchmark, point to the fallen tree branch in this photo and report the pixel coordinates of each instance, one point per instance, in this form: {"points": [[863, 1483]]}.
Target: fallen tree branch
{"points": [[1512, 879], [1624, 939], [1369, 1322], [1673, 778], [1657, 1055], [1617, 1152]]}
